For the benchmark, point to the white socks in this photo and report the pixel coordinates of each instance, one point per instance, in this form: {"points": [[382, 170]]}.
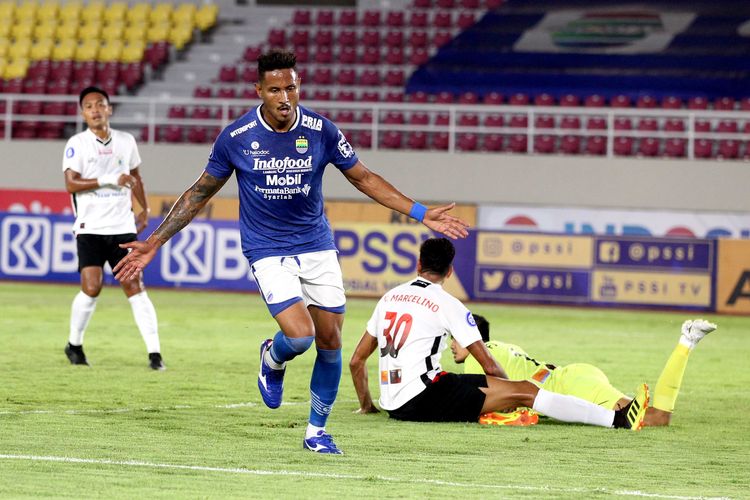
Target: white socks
{"points": [[145, 317], [80, 314], [572, 409], [313, 430]]}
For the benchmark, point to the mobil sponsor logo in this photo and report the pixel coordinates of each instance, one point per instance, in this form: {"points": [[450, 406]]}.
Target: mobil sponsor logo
{"points": [[527, 283], [36, 246], [655, 253], [203, 252], [651, 288]]}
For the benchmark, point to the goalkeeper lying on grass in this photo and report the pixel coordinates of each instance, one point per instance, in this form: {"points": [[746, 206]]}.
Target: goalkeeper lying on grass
{"points": [[580, 379]]}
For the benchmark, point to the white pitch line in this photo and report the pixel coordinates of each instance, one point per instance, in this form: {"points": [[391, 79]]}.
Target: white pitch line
{"points": [[260, 472], [229, 406]]}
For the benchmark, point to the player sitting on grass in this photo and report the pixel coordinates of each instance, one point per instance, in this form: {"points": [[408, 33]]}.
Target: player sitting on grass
{"points": [[584, 380], [410, 328]]}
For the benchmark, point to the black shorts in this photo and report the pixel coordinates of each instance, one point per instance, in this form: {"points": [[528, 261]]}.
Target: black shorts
{"points": [[451, 398], [96, 249]]}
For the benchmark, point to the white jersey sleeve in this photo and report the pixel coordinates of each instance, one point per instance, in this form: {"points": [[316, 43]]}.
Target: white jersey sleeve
{"points": [[73, 157]]}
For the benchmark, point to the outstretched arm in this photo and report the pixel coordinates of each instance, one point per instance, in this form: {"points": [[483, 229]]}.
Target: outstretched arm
{"points": [[183, 211], [358, 368], [382, 191], [485, 359]]}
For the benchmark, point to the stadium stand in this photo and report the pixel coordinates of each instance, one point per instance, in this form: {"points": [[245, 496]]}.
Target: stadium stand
{"points": [[418, 64]]}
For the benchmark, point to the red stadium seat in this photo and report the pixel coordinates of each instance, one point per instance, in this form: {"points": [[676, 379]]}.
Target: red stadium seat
{"points": [[395, 18], [648, 146], [202, 92], [177, 111], [251, 53], [370, 38], [419, 96], [302, 17], [703, 148], [394, 118], [645, 102], [419, 118], [324, 17], [440, 141], [321, 95], [465, 20], [724, 104], [728, 149], [519, 121], [369, 96], [365, 117], [623, 146], [323, 37], [394, 38], [391, 140], [346, 76], [228, 74], [469, 4], [347, 38], [727, 127], [570, 100], [197, 135], [468, 120], [620, 101], [468, 98], [226, 93], [518, 143], [418, 19], [594, 101], [345, 116], [544, 121], [323, 54], [596, 145], [493, 142], [394, 96], [322, 76], [570, 122], [623, 123], [249, 74], [544, 144], [444, 97], [648, 124], [277, 37], [467, 142], [494, 120], [202, 113], [671, 102], [370, 78], [419, 56], [442, 119], [493, 98], [702, 126], [394, 56], [675, 148], [519, 99], [745, 104], [347, 55], [395, 78], [570, 144], [697, 102], [417, 140], [348, 18], [300, 37], [364, 139], [172, 133], [544, 100], [371, 18], [674, 125], [442, 19], [345, 96], [418, 38], [445, 4]]}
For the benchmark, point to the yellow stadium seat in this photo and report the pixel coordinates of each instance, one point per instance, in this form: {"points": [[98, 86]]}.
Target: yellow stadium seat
{"points": [[4, 46], [22, 30], [138, 13], [161, 13], [90, 31], [135, 32], [5, 28], [47, 29], [48, 10], [184, 13], [93, 11], [67, 30], [41, 49], [179, 36], [20, 49], [113, 30], [116, 11], [158, 33], [26, 11], [16, 69], [87, 51], [6, 11], [206, 16], [65, 50], [133, 52], [2, 67], [71, 11], [110, 52]]}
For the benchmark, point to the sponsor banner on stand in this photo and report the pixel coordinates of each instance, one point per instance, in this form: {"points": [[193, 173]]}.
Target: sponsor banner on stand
{"points": [[534, 250], [655, 253], [651, 288], [532, 285], [27, 201], [202, 255], [733, 277], [658, 223]]}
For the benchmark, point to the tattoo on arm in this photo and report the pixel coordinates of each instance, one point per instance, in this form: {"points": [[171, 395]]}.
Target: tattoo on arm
{"points": [[189, 205]]}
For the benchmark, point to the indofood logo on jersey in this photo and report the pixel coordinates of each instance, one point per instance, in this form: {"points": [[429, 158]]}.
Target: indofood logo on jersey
{"points": [[301, 145]]}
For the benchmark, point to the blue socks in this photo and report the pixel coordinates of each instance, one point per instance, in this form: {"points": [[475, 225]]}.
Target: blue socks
{"points": [[285, 348], [324, 385]]}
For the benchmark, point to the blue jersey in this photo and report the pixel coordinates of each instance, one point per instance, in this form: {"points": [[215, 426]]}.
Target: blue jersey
{"points": [[280, 179]]}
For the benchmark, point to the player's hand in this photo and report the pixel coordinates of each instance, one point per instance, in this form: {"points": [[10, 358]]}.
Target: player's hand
{"points": [[438, 219], [141, 221], [127, 180], [366, 410], [140, 254]]}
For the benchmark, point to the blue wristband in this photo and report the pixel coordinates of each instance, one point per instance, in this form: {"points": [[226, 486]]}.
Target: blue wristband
{"points": [[418, 211]]}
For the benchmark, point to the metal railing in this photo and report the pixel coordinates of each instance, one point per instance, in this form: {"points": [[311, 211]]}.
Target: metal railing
{"points": [[143, 116]]}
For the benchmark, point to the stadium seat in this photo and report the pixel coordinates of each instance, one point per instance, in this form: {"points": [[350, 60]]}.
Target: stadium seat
{"points": [[177, 111], [444, 97], [228, 74], [347, 38], [418, 19], [728, 149], [465, 20], [322, 76], [442, 119], [347, 18], [418, 38], [346, 55], [441, 141], [249, 74], [702, 148], [371, 18], [300, 37], [675, 148], [468, 120], [345, 96], [596, 145], [648, 124], [197, 135], [724, 104], [171, 133], [369, 96], [671, 102], [442, 19], [418, 56], [570, 100], [702, 126], [324, 17], [391, 140], [594, 101], [645, 102], [365, 117], [620, 101], [345, 116], [323, 37], [303, 54], [544, 121], [493, 142], [395, 18], [570, 122], [519, 121], [370, 38], [394, 39], [544, 144], [493, 98], [570, 144], [364, 139], [226, 93], [321, 95], [393, 118], [395, 78], [419, 118], [623, 123], [648, 146], [416, 140], [674, 125], [302, 18], [468, 98], [251, 53], [518, 143], [276, 37], [394, 96], [727, 127], [494, 120], [467, 142], [697, 102], [519, 99], [419, 96], [370, 78], [202, 113], [345, 77], [745, 104], [394, 56], [623, 146], [544, 100]]}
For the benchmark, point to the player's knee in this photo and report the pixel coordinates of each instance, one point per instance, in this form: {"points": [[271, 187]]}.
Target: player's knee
{"points": [[91, 289], [298, 345]]}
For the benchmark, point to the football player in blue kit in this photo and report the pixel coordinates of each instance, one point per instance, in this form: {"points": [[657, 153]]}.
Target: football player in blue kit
{"points": [[278, 152]]}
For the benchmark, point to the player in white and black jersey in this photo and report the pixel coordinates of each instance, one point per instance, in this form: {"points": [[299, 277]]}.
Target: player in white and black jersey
{"points": [[410, 328], [278, 152], [101, 174]]}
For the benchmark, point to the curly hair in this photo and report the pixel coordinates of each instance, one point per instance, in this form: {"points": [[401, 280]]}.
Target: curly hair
{"points": [[275, 59]]}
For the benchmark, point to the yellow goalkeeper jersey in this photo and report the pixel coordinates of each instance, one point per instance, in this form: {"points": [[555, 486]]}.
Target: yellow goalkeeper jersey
{"points": [[517, 364]]}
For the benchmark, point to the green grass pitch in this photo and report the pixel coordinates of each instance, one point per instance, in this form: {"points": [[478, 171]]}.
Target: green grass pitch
{"points": [[200, 430]]}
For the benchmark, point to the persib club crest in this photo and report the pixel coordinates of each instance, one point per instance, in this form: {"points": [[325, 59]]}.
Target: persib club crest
{"points": [[301, 145]]}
